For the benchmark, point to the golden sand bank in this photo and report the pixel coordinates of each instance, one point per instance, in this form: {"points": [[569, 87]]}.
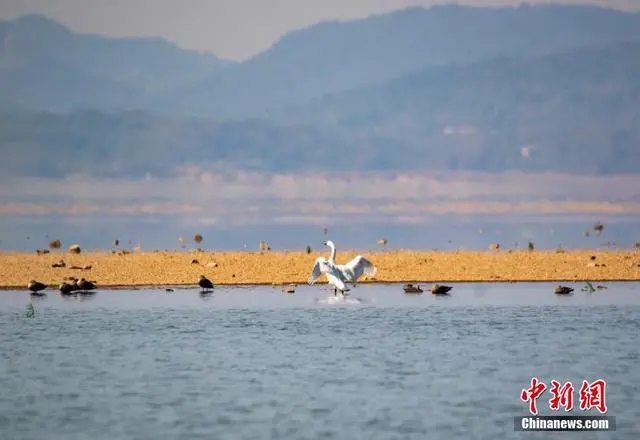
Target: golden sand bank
{"points": [[225, 268]]}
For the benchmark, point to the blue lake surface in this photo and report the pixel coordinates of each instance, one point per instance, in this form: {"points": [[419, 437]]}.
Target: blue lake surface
{"points": [[253, 363]]}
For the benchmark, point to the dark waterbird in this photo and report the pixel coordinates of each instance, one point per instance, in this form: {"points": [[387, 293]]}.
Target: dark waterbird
{"points": [[67, 288], [563, 290], [410, 288], [205, 284], [85, 286], [35, 287], [441, 290]]}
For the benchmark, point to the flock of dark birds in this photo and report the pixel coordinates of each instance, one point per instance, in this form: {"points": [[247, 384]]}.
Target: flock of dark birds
{"points": [[437, 289], [444, 290], [75, 287], [84, 287]]}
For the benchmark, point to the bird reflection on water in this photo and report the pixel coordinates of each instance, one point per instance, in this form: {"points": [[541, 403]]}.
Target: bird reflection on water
{"points": [[78, 296], [206, 295]]}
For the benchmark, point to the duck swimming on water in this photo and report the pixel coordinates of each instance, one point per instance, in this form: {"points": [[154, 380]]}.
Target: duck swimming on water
{"points": [[437, 289], [85, 286], [410, 288], [289, 290], [563, 290], [66, 288]]}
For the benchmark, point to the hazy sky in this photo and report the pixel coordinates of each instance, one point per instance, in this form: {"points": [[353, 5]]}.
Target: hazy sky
{"points": [[233, 29]]}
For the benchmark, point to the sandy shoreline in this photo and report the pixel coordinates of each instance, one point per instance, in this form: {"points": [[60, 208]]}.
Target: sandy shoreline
{"points": [[182, 268]]}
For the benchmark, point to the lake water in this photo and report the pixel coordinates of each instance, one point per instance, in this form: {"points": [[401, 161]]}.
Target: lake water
{"points": [[252, 363]]}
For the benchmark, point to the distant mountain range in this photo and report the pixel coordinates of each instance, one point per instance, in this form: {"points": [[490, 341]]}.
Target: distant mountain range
{"points": [[44, 66], [334, 57], [446, 88], [577, 111]]}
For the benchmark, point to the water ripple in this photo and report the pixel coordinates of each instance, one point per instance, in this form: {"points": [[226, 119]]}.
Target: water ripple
{"points": [[116, 368]]}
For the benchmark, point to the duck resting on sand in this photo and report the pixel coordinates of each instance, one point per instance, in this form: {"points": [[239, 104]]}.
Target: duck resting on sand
{"points": [[353, 269], [334, 276]]}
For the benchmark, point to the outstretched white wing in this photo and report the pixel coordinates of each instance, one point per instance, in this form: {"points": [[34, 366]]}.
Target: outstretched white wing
{"points": [[319, 268], [334, 276], [360, 265]]}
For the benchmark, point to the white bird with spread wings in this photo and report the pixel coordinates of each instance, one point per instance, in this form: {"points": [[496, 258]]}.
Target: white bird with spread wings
{"points": [[334, 276], [339, 274]]}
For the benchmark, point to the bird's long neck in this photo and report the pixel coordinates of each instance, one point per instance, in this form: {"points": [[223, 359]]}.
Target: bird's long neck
{"points": [[332, 258]]}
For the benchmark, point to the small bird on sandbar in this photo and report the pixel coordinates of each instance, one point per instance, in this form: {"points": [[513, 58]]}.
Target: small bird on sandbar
{"points": [[563, 290], [205, 284], [437, 289], [35, 287]]}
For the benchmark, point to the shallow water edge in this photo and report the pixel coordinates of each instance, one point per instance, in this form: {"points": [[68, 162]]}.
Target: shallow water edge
{"points": [[190, 286], [474, 295]]}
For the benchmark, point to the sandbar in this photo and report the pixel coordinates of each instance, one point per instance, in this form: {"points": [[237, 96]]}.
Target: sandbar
{"points": [[183, 268]]}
